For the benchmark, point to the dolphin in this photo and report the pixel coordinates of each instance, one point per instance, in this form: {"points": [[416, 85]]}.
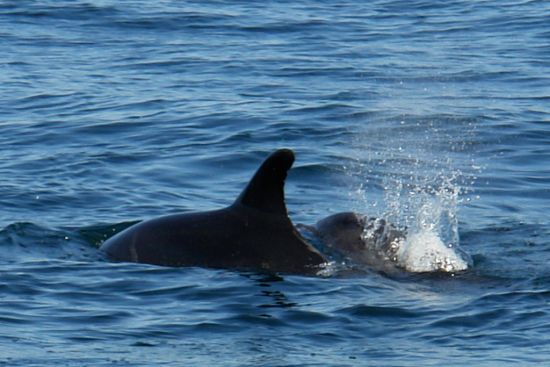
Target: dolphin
{"points": [[362, 240], [381, 246], [254, 232]]}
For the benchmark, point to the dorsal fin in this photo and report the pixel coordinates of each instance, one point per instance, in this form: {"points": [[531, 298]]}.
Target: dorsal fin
{"points": [[265, 191]]}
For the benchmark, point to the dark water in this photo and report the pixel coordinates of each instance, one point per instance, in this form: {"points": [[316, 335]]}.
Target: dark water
{"points": [[116, 111]]}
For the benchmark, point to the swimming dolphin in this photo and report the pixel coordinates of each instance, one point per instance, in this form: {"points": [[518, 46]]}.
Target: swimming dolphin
{"points": [[363, 240], [254, 232], [379, 245]]}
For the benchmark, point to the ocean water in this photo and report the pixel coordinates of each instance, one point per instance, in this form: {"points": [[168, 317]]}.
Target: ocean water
{"points": [[432, 114]]}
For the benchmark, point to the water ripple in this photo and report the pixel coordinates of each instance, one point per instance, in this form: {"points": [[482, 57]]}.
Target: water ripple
{"points": [[115, 112]]}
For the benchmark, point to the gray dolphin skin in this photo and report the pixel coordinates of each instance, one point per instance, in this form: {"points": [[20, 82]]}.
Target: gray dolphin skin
{"points": [[365, 241], [254, 232]]}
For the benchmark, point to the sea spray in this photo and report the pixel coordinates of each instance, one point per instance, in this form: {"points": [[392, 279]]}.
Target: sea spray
{"points": [[432, 243], [410, 178]]}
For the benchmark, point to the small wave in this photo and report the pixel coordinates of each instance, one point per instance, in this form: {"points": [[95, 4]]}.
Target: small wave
{"points": [[378, 312], [29, 242]]}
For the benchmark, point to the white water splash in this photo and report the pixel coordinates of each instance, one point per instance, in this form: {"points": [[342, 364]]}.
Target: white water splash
{"points": [[420, 193], [432, 244], [426, 252]]}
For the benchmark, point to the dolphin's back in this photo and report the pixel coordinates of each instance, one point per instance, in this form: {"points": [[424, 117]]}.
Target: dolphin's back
{"points": [[254, 232]]}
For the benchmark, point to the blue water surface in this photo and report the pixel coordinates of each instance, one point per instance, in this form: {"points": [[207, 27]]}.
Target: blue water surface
{"points": [[118, 111]]}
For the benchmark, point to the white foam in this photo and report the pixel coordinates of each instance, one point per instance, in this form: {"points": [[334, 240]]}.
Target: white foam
{"points": [[426, 252]]}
